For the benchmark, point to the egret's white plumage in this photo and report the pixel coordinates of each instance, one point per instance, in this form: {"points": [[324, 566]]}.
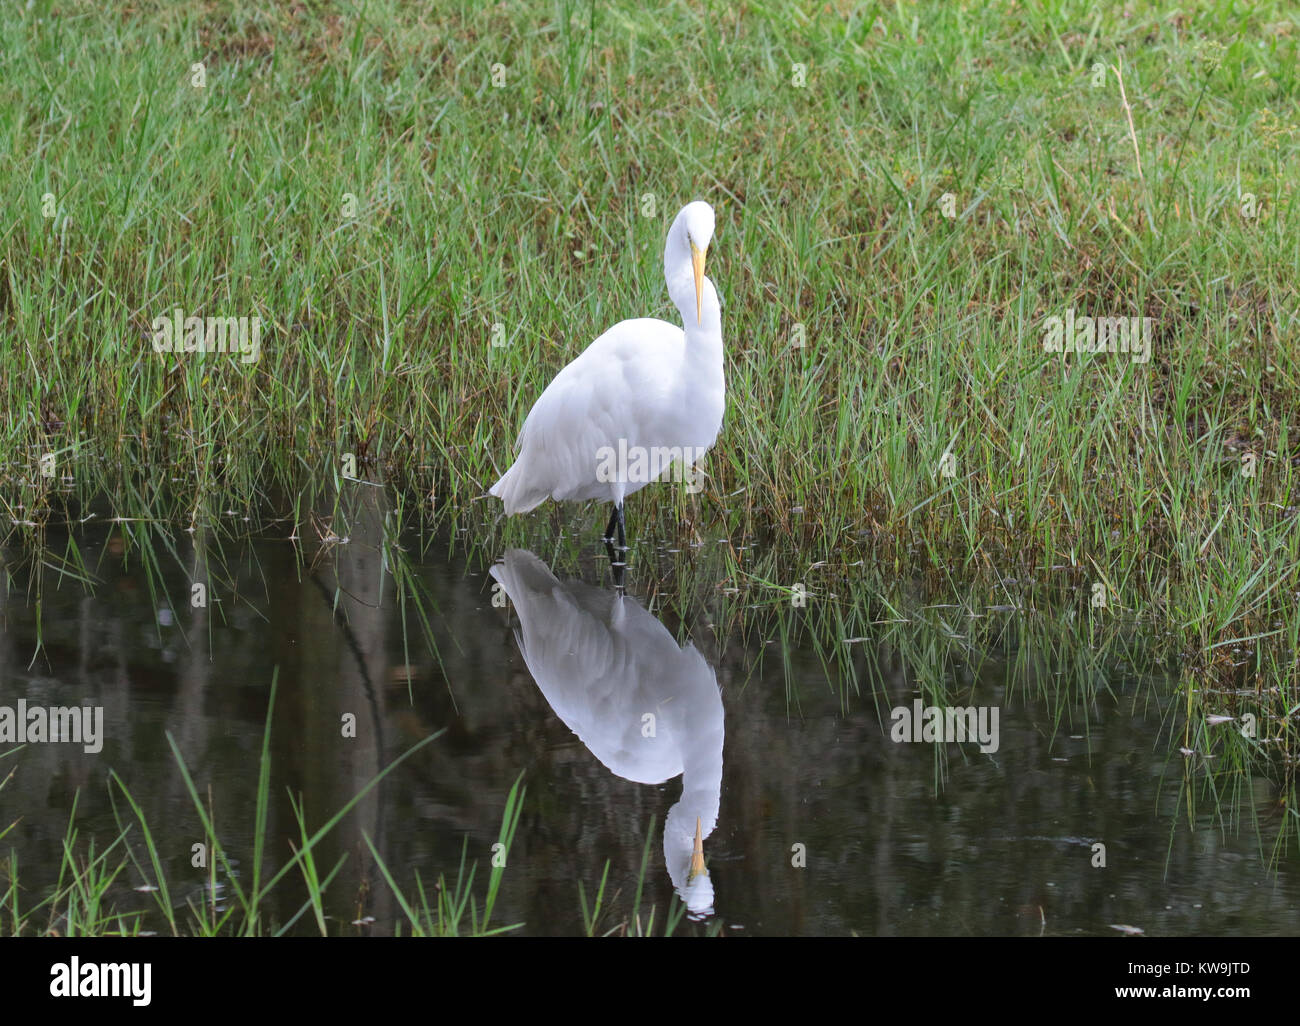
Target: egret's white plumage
{"points": [[643, 385], [604, 664]]}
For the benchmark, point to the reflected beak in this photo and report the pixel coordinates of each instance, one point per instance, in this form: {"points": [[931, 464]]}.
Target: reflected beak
{"points": [[697, 264], [697, 856]]}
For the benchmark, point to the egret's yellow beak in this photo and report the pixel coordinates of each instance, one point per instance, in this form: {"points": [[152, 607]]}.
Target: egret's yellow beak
{"points": [[697, 263], [697, 856]]}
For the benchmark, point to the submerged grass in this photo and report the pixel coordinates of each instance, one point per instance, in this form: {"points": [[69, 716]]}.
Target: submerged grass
{"points": [[877, 644], [91, 889]]}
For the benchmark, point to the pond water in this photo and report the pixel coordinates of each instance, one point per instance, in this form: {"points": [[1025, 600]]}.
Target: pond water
{"points": [[630, 721]]}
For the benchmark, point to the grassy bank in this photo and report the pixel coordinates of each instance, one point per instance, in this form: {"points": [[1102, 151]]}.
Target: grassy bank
{"points": [[906, 194]]}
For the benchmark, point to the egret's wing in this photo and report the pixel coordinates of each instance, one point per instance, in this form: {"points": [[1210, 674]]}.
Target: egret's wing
{"points": [[612, 391]]}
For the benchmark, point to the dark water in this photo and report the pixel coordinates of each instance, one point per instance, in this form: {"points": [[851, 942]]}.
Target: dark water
{"points": [[778, 764]]}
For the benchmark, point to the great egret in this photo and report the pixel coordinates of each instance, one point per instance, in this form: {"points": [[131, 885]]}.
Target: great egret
{"points": [[644, 395], [647, 708]]}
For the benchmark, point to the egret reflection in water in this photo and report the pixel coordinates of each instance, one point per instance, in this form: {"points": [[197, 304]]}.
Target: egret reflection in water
{"points": [[647, 708]]}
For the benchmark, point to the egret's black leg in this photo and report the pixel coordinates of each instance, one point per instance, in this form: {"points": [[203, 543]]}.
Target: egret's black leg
{"points": [[617, 553]]}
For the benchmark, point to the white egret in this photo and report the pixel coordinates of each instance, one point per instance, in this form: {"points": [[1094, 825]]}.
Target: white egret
{"points": [[646, 707], [642, 396]]}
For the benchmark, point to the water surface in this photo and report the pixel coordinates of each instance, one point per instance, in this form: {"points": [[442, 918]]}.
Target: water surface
{"points": [[814, 820]]}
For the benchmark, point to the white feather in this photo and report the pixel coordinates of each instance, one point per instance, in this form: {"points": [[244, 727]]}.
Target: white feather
{"points": [[644, 384]]}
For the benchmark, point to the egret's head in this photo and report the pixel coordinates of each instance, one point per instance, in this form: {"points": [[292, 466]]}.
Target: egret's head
{"points": [[697, 219]]}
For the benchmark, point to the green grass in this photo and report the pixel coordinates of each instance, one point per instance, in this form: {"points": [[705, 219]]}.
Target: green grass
{"points": [[85, 900], [92, 886], [525, 206]]}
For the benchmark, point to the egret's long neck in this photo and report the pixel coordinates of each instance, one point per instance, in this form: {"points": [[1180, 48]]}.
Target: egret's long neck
{"points": [[701, 795], [680, 277]]}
